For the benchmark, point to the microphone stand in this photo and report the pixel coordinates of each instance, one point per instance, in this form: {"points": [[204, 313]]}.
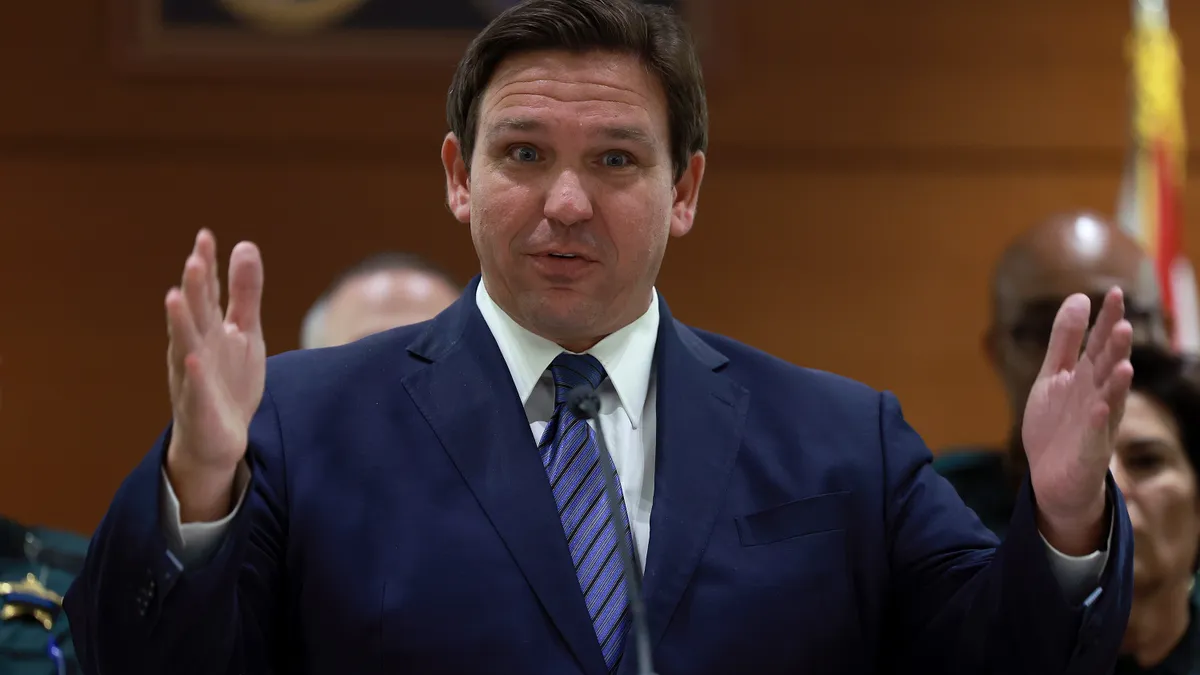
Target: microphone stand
{"points": [[584, 402]]}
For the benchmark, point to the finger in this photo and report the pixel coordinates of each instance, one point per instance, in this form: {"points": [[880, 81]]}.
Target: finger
{"points": [[1120, 344], [245, 287], [195, 290], [1116, 391], [1112, 311], [1066, 336], [1098, 426], [206, 246], [181, 327], [196, 379]]}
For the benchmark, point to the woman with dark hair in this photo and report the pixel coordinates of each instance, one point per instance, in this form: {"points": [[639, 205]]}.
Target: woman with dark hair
{"points": [[1156, 466]]}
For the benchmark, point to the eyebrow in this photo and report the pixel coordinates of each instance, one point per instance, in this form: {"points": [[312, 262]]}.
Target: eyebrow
{"points": [[631, 134], [1148, 444], [527, 125], [521, 124]]}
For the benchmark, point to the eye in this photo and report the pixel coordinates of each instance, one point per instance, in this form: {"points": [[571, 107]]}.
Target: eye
{"points": [[523, 153], [1144, 462], [617, 160]]}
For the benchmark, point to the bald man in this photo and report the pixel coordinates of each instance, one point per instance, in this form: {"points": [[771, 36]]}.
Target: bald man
{"points": [[385, 291], [1067, 253]]}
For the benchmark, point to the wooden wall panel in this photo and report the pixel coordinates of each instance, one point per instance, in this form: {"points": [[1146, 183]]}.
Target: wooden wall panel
{"points": [[921, 74], [869, 162]]}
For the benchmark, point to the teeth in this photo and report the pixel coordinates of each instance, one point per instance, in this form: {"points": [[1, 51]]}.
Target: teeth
{"points": [[563, 255]]}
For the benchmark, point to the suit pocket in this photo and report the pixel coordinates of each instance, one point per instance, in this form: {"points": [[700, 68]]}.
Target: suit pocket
{"points": [[811, 515]]}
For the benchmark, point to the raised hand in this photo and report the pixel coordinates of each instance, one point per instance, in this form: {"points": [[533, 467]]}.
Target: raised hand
{"points": [[217, 367], [1071, 417]]}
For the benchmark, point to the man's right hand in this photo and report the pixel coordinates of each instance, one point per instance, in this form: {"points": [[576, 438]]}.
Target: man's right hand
{"points": [[217, 371]]}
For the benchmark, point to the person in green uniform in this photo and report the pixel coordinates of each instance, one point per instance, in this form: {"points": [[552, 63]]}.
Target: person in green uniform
{"points": [[1067, 253], [1156, 464], [37, 565]]}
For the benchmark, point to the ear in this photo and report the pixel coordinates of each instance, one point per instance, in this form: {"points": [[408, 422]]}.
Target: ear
{"points": [[458, 180], [687, 194]]}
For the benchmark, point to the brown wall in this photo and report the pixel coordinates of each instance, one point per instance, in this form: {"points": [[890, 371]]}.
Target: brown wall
{"points": [[868, 162]]}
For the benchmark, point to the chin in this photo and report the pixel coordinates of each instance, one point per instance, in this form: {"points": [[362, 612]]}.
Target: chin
{"points": [[561, 313], [1145, 581], [1139, 570]]}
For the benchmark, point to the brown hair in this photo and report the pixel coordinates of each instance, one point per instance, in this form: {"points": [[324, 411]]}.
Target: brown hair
{"points": [[653, 33]]}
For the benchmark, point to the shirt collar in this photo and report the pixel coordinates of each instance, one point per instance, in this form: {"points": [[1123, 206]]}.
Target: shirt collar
{"points": [[627, 355]]}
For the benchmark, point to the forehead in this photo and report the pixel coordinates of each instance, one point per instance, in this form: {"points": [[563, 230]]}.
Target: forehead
{"points": [[1144, 419], [1039, 293], [1058, 279], [560, 89], [388, 290]]}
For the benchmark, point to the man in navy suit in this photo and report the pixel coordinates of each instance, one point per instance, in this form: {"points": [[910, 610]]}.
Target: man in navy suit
{"points": [[424, 501]]}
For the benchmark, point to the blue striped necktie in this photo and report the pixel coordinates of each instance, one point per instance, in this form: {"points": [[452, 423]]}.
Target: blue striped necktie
{"points": [[572, 460]]}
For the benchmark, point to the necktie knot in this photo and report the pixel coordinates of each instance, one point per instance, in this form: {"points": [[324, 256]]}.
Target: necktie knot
{"points": [[572, 370]]}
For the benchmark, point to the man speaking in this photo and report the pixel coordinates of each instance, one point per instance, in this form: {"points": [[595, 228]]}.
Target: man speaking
{"points": [[436, 498]]}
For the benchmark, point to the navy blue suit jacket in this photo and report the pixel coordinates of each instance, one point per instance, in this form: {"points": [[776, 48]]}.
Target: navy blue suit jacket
{"points": [[399, 521]]}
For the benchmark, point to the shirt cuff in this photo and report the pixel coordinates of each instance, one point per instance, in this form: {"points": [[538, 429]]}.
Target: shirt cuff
{"points": [[1079, 576], [193, 542]]}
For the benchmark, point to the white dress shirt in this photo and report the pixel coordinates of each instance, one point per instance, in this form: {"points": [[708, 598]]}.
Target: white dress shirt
{"points": [[627, 417]]}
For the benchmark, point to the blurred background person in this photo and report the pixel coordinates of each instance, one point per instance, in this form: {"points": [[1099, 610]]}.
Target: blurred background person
{"points": [[1155, 465], [384, 291], [1067, 253], [37, 565]]}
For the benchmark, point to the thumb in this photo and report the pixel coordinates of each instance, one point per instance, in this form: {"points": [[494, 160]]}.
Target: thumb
{"points": [[245, 287]]}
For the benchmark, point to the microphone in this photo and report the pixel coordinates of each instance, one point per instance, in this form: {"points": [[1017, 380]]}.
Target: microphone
{"points": [[583, 402]]}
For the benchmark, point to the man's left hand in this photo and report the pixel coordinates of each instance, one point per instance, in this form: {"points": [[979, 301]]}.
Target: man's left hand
{"points": [[1071, 419]]}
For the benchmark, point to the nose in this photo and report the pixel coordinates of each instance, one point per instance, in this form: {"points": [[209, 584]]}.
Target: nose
{"points": [[568, 202]]}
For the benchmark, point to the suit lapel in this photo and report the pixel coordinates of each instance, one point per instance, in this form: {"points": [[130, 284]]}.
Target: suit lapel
{"points": [[468, 397], [700, 418]]}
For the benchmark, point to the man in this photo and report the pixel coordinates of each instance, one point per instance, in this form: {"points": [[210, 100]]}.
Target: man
{"points": [[37, 564], [426, 501], [384, 291], [1077, 252]]}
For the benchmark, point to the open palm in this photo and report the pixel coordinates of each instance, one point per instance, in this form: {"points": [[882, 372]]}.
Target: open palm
{"points": [[216, 361], [1075, 406]]}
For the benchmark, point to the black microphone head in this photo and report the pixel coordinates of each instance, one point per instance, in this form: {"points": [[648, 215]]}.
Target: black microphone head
{"points": [[583, 402]]}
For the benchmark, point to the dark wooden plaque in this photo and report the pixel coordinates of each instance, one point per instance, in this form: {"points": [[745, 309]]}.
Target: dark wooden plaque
{"points": [[344, 39]]}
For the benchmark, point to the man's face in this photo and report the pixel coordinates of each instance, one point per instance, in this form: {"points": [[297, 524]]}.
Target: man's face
{"points": [[570, 193], [1025, 316]]}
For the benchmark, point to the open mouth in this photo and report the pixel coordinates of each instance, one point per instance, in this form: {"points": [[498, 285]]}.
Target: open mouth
{"points": [[562, 266]]}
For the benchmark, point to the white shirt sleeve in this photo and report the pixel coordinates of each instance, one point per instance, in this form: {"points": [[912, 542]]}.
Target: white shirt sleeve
{"points": [[193, 542], [1079, 575]]}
